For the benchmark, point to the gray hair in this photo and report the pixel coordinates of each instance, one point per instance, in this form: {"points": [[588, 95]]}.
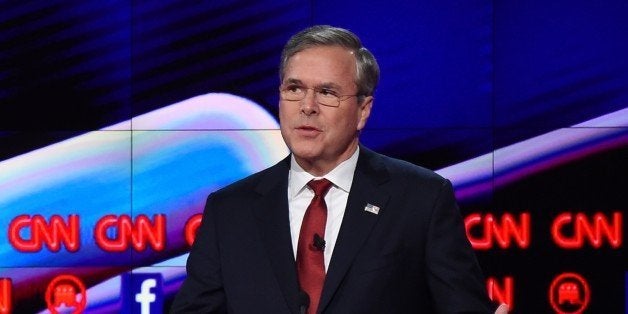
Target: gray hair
{"points": [[367, 75]]}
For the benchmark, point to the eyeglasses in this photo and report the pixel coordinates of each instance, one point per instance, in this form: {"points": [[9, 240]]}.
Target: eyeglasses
{"points": [[323, 96]]}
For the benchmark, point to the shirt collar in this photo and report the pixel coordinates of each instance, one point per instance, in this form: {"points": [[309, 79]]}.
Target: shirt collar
{"points": [[341, 176]]}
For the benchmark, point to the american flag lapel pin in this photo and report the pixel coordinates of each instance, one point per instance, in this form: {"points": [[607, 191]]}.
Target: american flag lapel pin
{"points": [[371, 208]]}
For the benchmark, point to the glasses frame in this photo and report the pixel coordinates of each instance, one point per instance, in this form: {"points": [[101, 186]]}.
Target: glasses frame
{"points": [[316, 90]]}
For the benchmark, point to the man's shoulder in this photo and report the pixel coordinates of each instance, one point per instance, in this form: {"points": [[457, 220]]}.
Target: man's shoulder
{"points": [[258, 181], [401, 169]]}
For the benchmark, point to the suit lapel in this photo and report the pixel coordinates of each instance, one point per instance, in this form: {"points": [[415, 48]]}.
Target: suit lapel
{"points": [[357, 223], [274, 227]]}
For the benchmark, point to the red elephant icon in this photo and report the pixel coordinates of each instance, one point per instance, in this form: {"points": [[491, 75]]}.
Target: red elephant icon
{"points": [[68, 291], [569, 292]]}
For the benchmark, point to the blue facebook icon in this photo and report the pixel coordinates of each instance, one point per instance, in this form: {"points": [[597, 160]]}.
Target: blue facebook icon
{"points": [[142, 293]]}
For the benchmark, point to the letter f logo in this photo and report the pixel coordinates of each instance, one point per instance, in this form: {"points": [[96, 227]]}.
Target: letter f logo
{"points": [[142, 293], [145, 297]]}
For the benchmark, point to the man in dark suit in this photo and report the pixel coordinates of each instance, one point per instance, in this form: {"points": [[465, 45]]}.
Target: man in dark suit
{"points": [[334, 227]]}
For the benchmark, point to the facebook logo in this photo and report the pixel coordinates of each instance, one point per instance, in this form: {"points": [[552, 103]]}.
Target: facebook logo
{"points": [[142, 293]]}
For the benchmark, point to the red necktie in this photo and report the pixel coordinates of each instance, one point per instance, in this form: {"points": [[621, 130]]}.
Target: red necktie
{"points": [[310, 258]]}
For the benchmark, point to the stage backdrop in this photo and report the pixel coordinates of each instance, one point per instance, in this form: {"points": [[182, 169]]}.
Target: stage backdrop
{"points": [[118, 118]]}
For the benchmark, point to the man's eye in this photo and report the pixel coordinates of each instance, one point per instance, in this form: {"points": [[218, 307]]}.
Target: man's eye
{"points": [[293, 88], [328, 92]]}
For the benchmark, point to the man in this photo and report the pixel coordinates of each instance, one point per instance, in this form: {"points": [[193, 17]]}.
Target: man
{"points": [[334, 227]]}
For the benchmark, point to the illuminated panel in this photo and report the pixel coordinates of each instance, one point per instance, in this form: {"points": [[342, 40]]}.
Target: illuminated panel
{"points": [[216, 111], [89, 177], [537, 154], [54, 194]]}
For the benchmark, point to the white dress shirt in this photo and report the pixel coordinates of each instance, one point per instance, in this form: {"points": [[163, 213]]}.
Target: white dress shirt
{"points": [[300, 196]]}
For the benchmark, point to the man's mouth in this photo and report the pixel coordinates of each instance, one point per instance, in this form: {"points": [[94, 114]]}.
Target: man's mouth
{"points": [[308, 130]]}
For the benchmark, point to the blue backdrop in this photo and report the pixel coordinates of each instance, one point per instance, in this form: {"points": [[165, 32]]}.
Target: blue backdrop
{"points": [[522, 104]]}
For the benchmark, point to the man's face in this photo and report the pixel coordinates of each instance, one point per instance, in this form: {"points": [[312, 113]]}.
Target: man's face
{"points": [[318, 135]]}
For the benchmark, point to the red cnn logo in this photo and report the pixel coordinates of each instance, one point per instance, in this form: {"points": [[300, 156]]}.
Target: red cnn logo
{"points": [[53, 233], [190, 228], [139, 233], [503, 232], [6, 300], [501, 293], [597, 230]]}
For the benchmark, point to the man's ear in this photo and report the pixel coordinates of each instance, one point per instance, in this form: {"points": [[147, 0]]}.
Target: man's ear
{"points": [[364, 112]]}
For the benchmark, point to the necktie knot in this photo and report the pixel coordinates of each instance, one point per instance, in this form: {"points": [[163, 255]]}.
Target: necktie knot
{"points": [[320, 187]]}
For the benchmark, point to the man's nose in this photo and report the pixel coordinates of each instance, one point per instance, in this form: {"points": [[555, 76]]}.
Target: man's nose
{"points": [[309, 105]]}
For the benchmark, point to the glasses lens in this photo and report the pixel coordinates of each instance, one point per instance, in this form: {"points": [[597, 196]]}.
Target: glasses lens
{"points": [[323, 98], [327, 99], [292, 94]]}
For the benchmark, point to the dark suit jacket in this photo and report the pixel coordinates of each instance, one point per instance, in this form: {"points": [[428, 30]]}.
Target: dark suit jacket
{"points": [[412, 257]]}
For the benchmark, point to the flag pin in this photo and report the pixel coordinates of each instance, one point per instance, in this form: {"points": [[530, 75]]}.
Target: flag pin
{"points": [[371, 209]]}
